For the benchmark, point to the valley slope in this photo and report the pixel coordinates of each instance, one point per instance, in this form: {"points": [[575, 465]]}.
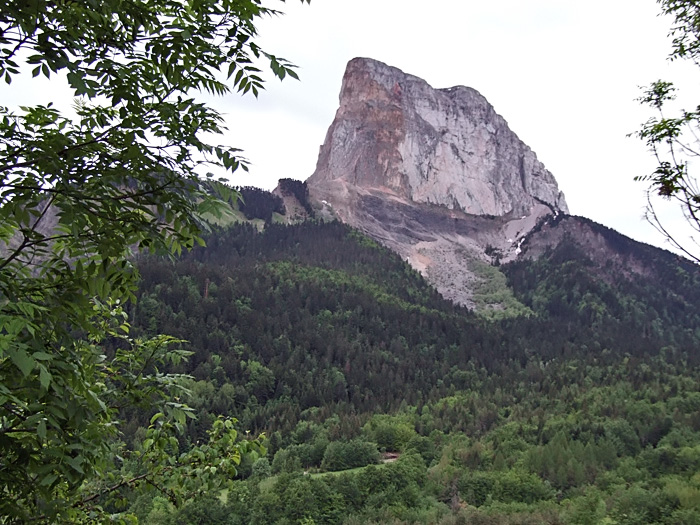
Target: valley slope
{"points": [[335, 316]]}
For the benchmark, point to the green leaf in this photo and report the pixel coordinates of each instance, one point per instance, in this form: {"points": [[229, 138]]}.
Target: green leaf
{"points": [[44, 377], [48, 480], [41, 429], [76, 464], [22, 360]]}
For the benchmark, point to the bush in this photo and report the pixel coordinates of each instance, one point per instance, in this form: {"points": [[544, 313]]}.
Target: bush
{"points": [[341, 455], [286, 460], [389, 432]]}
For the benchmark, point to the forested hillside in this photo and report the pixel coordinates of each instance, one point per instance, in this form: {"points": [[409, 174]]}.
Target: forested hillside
{"points": [[581, 410], [286, 372]]}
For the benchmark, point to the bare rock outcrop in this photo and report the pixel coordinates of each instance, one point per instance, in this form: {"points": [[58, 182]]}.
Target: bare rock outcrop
{"points": [[432, 173], [437, 146]]}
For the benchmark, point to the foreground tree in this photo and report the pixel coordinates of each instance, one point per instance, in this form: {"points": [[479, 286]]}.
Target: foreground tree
{"points": [[675, 139], [78, 195]]}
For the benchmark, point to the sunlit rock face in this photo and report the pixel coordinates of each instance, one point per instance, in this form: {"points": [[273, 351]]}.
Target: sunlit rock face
{"points": [[434, 174], [395, 133]]}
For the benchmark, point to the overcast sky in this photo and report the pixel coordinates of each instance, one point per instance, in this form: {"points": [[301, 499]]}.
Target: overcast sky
{"points": [[563, 74]]}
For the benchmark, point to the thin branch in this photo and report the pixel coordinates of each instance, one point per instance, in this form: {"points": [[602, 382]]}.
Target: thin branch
{"points": [[108, 490], [653, 219], [19, 45], [26, 242]]}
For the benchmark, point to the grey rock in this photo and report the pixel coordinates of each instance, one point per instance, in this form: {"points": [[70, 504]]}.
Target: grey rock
{"points": [[449, 147], [435, 174]]}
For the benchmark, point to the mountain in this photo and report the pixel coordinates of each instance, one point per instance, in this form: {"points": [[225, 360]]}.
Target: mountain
{"points": [[333, 345], [434, 174], [337, 321], [439, 178], [397, 136], [569, 394]]}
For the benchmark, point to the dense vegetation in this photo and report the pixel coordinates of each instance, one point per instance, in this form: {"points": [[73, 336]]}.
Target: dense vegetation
{"points": [[581, 410], [259, 204], [81, 188], [632, 291]]}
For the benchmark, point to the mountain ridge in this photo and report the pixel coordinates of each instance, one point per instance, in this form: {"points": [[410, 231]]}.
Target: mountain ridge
{"points": [[362, 178]]}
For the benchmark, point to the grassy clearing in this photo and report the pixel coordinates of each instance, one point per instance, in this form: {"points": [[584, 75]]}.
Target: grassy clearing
{"points": [[492, 296]]}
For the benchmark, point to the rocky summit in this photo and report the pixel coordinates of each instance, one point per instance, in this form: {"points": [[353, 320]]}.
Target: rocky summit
{"points": [[435, 174]]}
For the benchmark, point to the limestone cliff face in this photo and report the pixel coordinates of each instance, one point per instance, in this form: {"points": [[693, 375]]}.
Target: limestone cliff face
{"points": [[434, 174], [395, 133]]}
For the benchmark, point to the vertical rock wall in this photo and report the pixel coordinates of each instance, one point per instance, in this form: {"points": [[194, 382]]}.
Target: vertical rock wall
{"points": [[393, 132]]}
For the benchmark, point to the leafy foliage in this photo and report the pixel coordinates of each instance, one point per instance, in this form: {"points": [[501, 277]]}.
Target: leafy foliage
{"points": [[673, 138], [346, 455], [79, 194], [581, 411]]}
